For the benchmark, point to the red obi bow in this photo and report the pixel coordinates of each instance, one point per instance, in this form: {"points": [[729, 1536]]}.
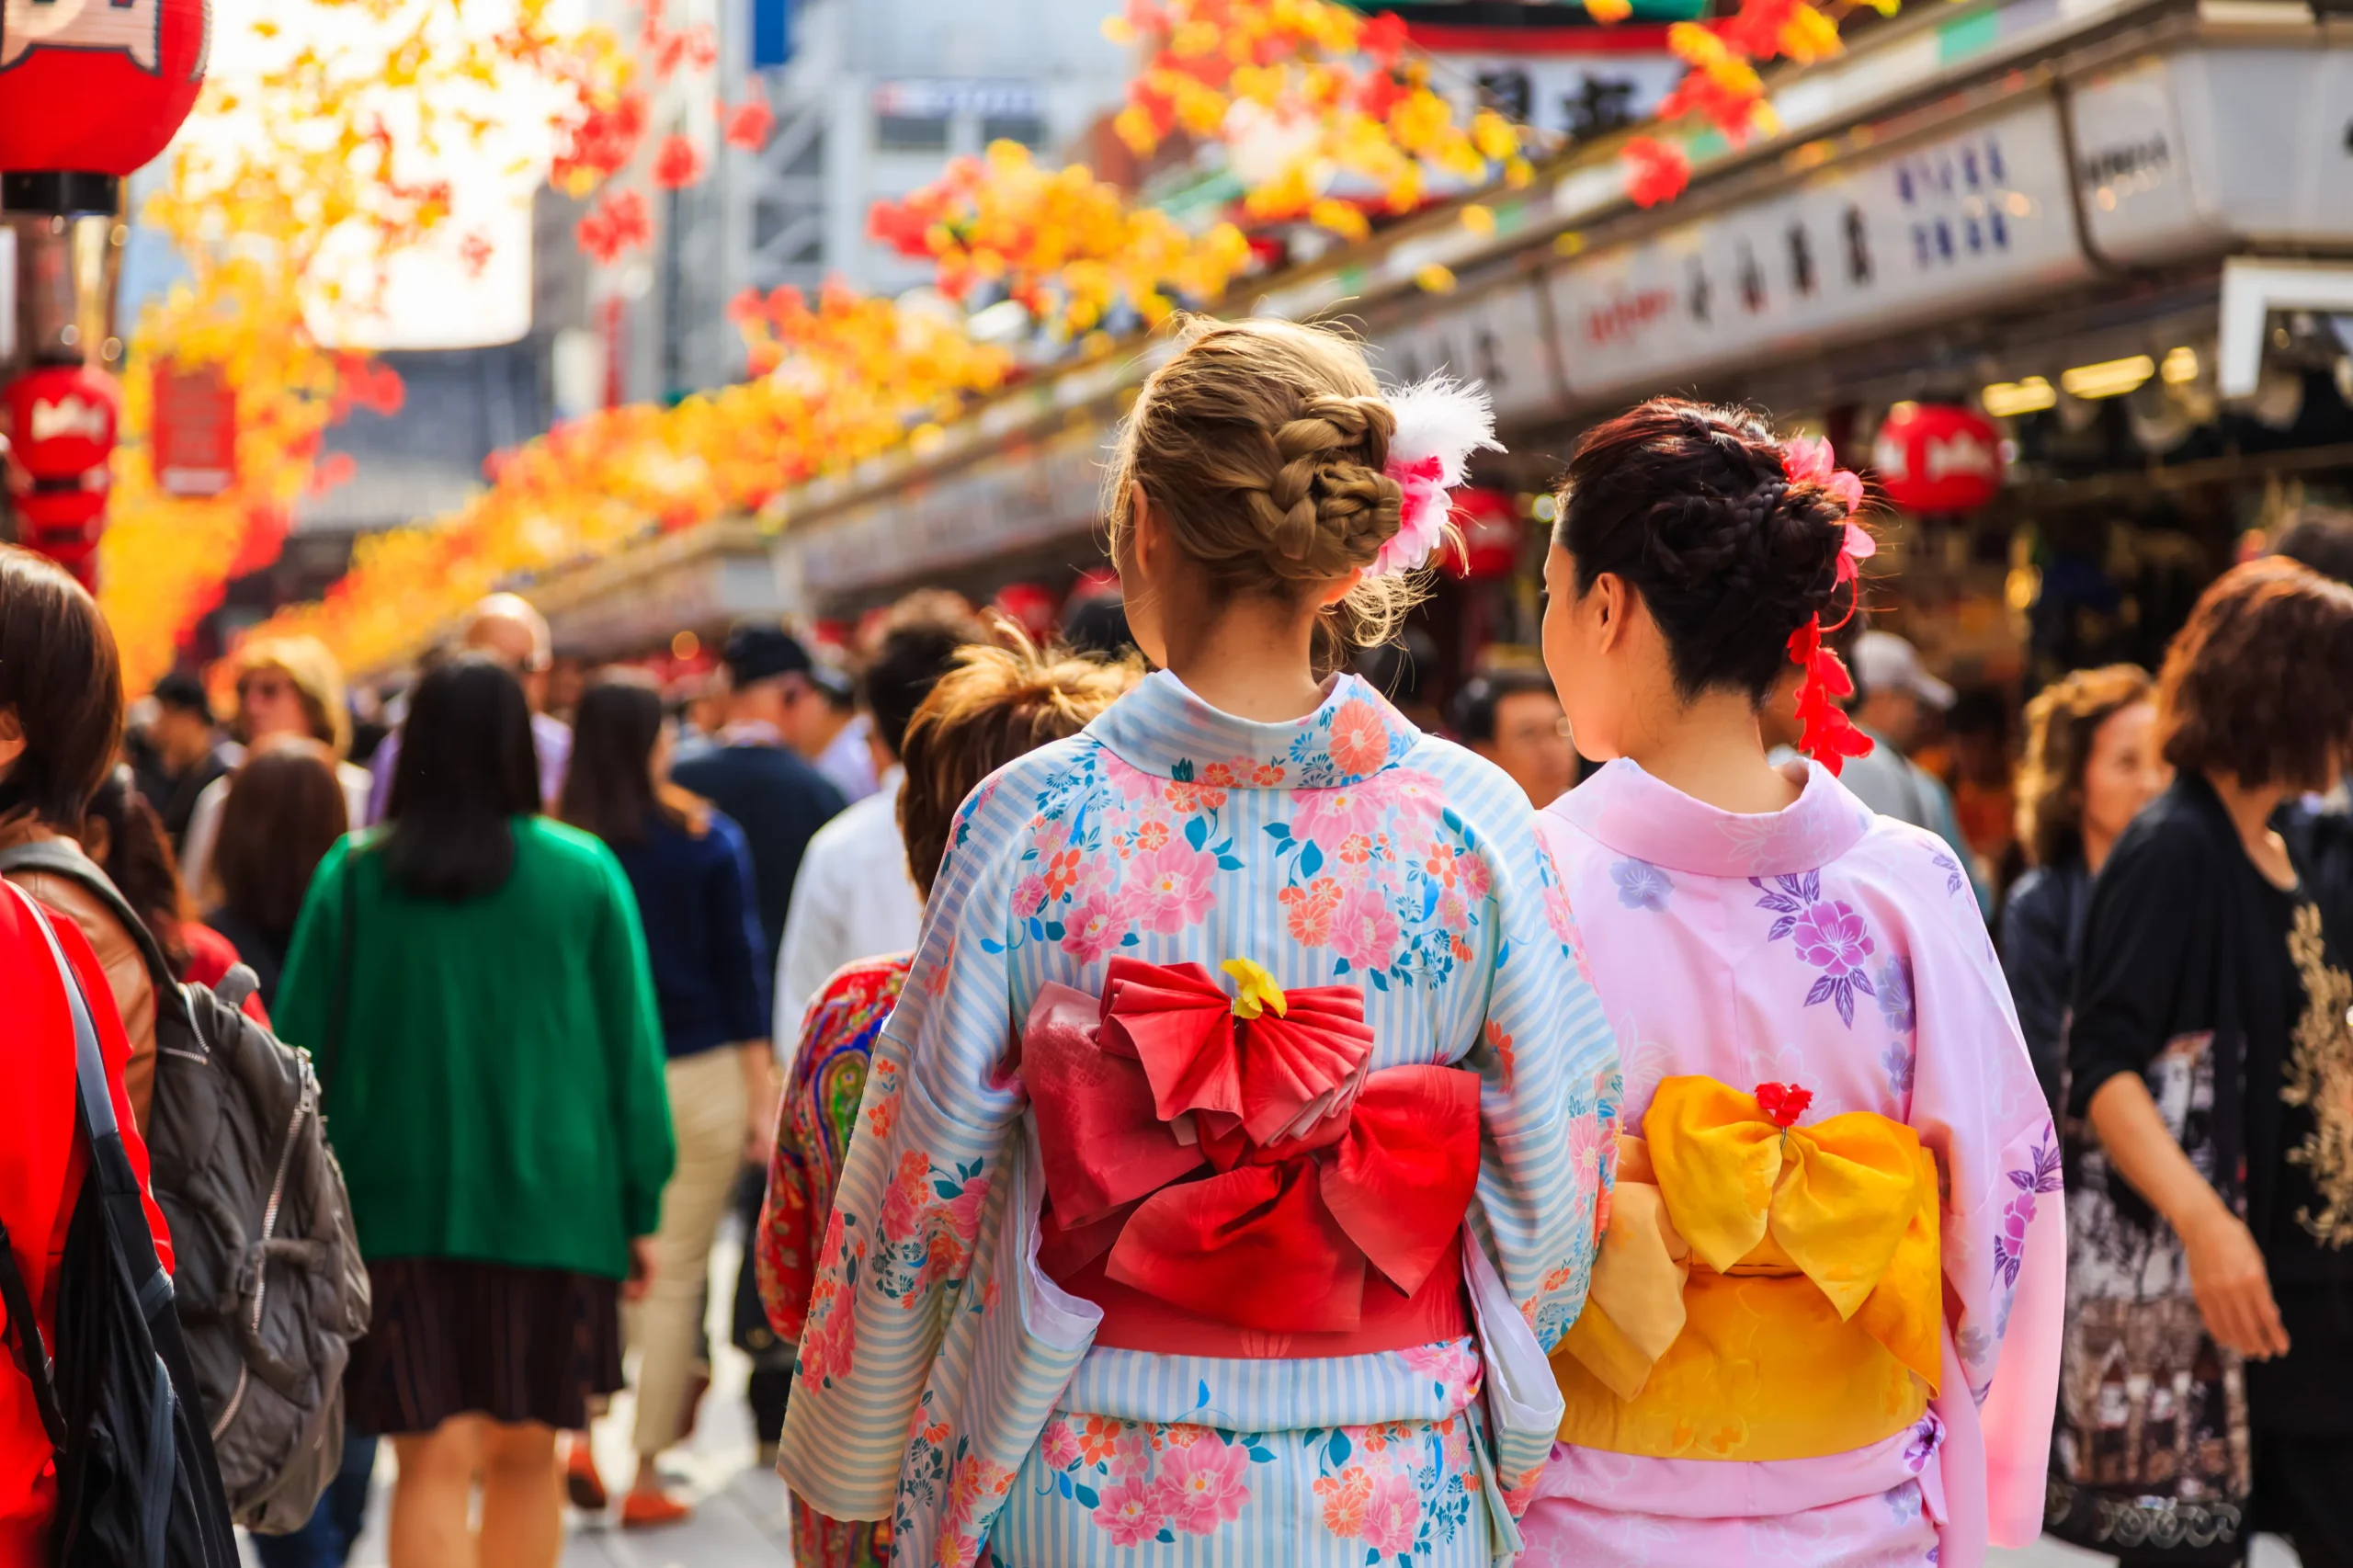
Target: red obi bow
{"points": [[1313, 1167]]}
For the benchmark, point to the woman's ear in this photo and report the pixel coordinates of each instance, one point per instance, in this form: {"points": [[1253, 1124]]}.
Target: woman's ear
{"points": [[1612, 607], [1338, 588], [12, 740], [1143, 544]]}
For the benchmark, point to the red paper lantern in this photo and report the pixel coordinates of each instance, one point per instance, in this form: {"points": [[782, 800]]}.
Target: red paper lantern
{"points": [[1936, 457], [59, 420], [1491, 530], [97, 86]]}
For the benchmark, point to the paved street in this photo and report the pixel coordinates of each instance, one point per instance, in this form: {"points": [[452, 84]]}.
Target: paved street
{"points": [[741, 1524]]}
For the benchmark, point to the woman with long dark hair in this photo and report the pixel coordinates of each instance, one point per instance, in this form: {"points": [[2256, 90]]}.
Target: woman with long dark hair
{"points": [[472, 982], [2210, 1227], [692, 874], [286, 810]]}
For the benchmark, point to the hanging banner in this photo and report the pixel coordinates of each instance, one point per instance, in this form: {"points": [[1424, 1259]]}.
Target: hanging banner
{"points": [[193, 448]]}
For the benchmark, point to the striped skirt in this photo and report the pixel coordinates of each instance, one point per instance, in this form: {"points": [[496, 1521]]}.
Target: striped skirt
{"points": [[449, 1336]]}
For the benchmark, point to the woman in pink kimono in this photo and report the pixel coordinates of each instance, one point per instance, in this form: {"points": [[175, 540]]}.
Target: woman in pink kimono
{"points": [[1824, 1323]]}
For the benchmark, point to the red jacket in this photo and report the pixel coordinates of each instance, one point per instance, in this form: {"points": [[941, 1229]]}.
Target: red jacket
{"points": [[42, 1157]]}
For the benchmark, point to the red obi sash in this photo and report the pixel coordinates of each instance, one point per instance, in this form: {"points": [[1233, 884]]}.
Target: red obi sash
{"points": [[1231, 1181]]}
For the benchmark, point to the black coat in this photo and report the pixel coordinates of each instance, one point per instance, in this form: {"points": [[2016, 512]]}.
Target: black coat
{"points": [[2042, 931]]}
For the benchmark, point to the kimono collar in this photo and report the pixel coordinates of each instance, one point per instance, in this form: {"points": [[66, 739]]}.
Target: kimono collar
{"points": [[1637, 815], [1162, 729]]}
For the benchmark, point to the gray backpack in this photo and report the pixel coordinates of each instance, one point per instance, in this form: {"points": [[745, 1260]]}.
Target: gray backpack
{"points": [[270, 1287]]}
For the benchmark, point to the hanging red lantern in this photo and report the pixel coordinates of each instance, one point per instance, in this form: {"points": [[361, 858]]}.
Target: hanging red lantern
{"points": [[1029, 606], [1489, 525], [1937, 457], [94, 87], [59, 422]]}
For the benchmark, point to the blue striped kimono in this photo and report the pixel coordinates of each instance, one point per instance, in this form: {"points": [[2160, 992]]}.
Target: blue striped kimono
{"points": [[947, 1384]]}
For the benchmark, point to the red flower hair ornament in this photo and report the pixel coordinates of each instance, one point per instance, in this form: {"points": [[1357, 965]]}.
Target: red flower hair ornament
{"points": [[1826, 734], [1783, 1103]]}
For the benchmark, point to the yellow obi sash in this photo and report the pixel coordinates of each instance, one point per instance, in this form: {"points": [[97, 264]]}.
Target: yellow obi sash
{"points": [[1763, 1291]]}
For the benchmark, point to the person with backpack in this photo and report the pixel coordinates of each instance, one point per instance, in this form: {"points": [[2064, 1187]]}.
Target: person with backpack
{"points": [[45, 1178], [472, 980], [60, 712]]}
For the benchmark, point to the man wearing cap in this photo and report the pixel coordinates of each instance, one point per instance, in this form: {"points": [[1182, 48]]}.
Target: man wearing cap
{"points": [[510, 629], [1893, 694], [779, 801], [188, 752]]}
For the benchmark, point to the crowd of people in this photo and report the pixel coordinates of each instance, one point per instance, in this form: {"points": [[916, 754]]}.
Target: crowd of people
{"points": [[1248, 1108]]}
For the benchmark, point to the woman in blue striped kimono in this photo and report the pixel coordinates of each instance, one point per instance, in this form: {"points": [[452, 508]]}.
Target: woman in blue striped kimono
{"points": [[1232, 1159]]}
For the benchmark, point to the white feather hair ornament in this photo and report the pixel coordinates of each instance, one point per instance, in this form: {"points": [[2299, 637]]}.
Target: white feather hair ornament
{"points": [[1441, 423]]}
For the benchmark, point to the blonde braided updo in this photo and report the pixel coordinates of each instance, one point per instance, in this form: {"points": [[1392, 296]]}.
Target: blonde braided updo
{"points": [[1261, 443]]}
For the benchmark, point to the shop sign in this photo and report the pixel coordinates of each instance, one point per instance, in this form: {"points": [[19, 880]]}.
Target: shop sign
{"points": [[1937, 457], [933, 98], [194, 444], [1863, 247], [1580, 95], [2188, 151], [1005, 501], [1498, 339]]}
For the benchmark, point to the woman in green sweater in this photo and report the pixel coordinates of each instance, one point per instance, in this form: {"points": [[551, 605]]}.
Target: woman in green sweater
{"points": [[472, 980]]}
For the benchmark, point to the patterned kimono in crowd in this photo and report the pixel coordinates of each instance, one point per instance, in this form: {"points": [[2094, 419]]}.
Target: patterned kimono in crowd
{"points": [[821, 1096], [1242, 1110], [1825, 1324]]}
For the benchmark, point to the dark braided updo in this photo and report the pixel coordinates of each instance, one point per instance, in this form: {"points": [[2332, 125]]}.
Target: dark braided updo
{"points": [[1690, 505]]}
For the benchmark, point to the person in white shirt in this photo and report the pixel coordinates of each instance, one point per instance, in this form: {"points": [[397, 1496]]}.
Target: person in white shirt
{"points": [[854, 898]]}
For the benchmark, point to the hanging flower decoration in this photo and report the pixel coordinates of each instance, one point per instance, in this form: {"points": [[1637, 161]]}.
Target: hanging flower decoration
{"points": [[1720, 89], [1825, 734], [747, 124], [1060, 242], [677, 163], [1314, 97]]}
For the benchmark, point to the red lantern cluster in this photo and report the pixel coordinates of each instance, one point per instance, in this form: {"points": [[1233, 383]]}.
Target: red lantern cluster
{"points": [[59, 422], [97, 86], [1936, 457]]}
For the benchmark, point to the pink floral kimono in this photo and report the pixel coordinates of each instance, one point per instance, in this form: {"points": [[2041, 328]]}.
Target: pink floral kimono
{"points": [[1833, 960]]}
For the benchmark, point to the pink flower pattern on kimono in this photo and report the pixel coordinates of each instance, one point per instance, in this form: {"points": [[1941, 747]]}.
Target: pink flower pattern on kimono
{"points": [[1451, 1365], [1170, 888], [1129, 1512], [1202, 1485], [1391, 1514], [1829, 934], [1364, 930], [1092, 929]]}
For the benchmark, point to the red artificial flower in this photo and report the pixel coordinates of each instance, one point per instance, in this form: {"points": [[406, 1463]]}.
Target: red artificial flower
{"points": [[1825, 734], [1783, 1103], [748, 123], [1730, 110], [1384, 38], [1755, 29], [1656, 171], [618, 222], [602, 143], [677, 163], [474, 251]]}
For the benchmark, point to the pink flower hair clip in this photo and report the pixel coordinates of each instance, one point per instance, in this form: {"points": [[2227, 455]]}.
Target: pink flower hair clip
{"points": [[1441, 423]]}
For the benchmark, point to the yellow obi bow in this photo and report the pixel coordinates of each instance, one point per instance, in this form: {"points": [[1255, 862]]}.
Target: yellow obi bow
{"points": [[1765, 1291]]}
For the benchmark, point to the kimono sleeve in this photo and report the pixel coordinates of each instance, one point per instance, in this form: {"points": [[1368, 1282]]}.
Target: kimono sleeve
{"points": [[1549, 1092], [1977, 1105], [907, 1218]]}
